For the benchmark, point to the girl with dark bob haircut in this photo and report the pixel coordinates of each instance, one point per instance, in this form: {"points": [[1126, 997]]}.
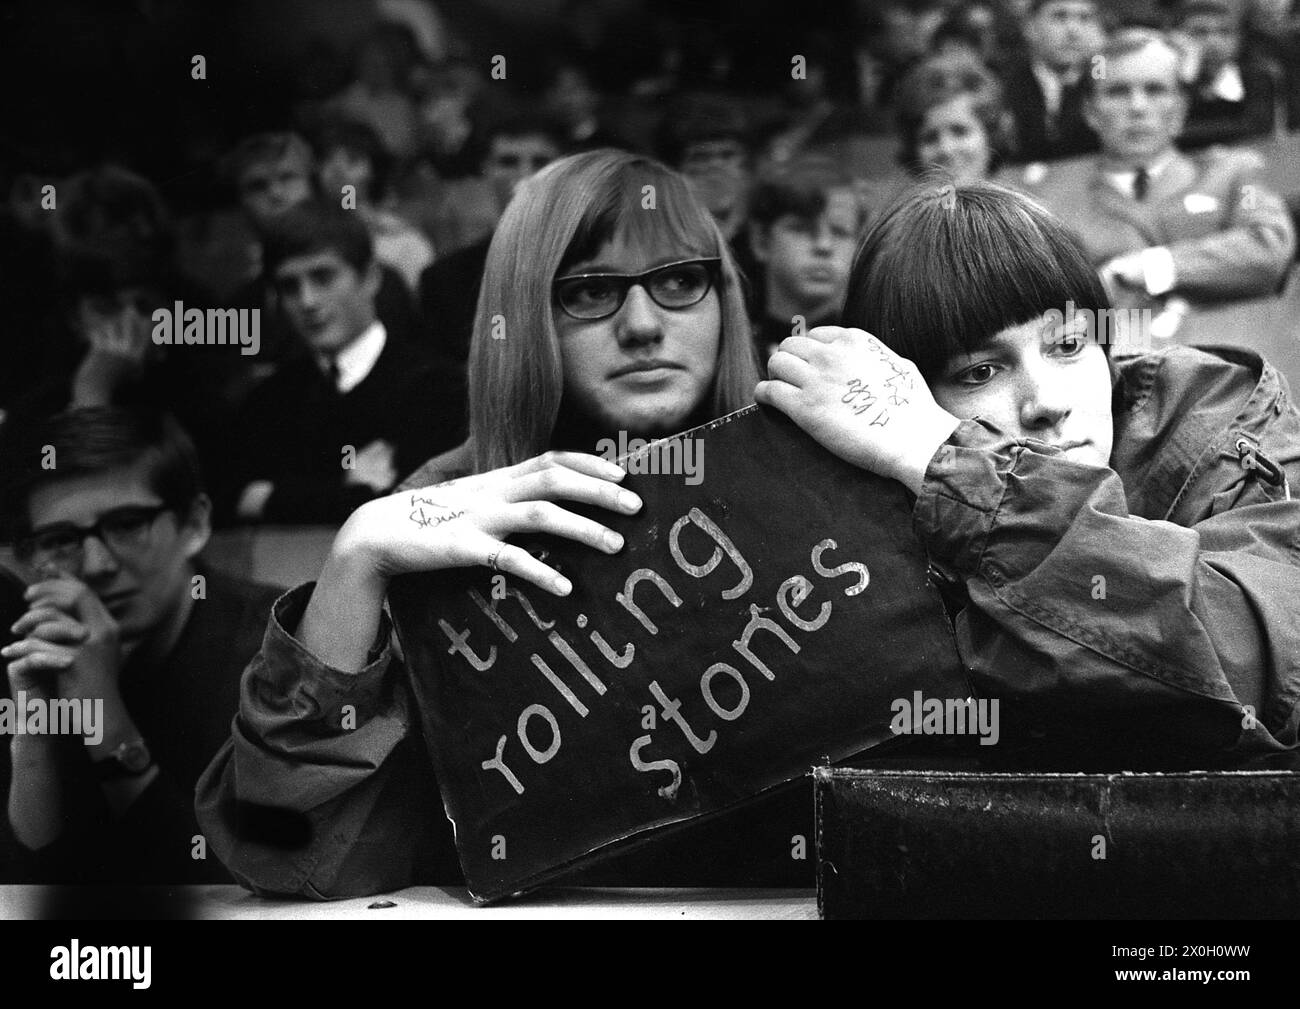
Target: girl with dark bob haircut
{"points": [[932, 279], [1113, 527]]}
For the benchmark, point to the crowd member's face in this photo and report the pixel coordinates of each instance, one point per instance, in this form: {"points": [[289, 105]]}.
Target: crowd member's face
{"points": [[143, 583], [1217, 36], [510, 160], [1036, 381], [1064, 33], [327, 301], [808, 259], [953, 138], [342, 167], [267, 189], [645, 368], [1138, 108], [571, 97], [121, 312], [717, 172]]}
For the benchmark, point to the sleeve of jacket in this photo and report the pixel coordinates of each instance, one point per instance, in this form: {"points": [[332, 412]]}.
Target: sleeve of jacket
{"points": [[311, 797], [1080, 612], [1250, 254]]}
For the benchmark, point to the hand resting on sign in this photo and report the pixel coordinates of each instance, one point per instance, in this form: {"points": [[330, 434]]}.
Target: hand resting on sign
{"points": [[860, 400], [460, 523]]}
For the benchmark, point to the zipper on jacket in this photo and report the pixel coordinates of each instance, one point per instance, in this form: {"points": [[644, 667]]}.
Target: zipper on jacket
{"points": [[1252, 457]]}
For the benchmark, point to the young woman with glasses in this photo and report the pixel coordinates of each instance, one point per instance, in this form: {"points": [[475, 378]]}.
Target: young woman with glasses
{"points": [[609, 303]]}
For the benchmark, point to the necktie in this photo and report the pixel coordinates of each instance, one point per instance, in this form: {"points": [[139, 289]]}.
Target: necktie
{"points": [[333, 374], [1141, 183]]}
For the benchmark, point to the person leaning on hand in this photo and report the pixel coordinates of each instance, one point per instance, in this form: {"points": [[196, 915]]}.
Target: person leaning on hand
{"points": [[1117, 537], [121, 619]]}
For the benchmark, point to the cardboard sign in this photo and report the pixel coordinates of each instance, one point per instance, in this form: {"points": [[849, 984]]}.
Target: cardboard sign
{"points": [[759, 620]]}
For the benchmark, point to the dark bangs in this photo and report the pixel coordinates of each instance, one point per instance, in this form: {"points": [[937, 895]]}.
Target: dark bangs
{"points": [[949, 267], [621, 207]]}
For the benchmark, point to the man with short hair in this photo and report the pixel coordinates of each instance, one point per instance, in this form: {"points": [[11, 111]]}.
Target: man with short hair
{"points": [[516, 149], [273, 173], [1167, 230], [709, 140], [353, 168], [805, 219], [1045, 90], [107, 513], [342, 422]]}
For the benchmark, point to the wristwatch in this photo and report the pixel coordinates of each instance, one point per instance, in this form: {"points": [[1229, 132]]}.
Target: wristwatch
{"points": [[130, 760]]}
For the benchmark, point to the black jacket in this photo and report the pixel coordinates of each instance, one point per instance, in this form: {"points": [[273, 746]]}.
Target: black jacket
{"points": [[1036, 137], [183, 708], [295, 426]]}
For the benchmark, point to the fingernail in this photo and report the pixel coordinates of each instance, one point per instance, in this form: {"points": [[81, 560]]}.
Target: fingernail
{"points": [[613, 541], [629, 500], [563, 586]]}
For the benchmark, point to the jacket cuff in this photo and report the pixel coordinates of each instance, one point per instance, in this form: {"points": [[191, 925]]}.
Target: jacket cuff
{"points": [[961, 493], [314, 688]]}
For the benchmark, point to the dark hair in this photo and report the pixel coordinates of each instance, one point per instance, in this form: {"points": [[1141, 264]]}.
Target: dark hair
{"points": [[524, 124], [947, 267], [314, 227], [699, 119], [91, 275], [798, 187], [1036, 5], [1217, 8], [936, 80], [261, 148], [113, 213], [90, 441], [356, 138]]}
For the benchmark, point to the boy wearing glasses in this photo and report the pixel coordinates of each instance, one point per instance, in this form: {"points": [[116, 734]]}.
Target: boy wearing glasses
{"points": [[107, 514]]}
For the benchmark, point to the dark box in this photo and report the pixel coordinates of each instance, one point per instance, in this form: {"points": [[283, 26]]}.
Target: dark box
{"points": [[924, 844]]}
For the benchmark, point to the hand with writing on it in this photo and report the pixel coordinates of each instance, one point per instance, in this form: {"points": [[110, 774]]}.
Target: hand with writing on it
{"points": [[374, 467], [860, 400], [465, 522], [460, 523]]}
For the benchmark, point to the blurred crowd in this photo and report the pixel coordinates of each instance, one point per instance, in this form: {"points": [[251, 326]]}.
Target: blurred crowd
{"points": [[794, 129]]}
